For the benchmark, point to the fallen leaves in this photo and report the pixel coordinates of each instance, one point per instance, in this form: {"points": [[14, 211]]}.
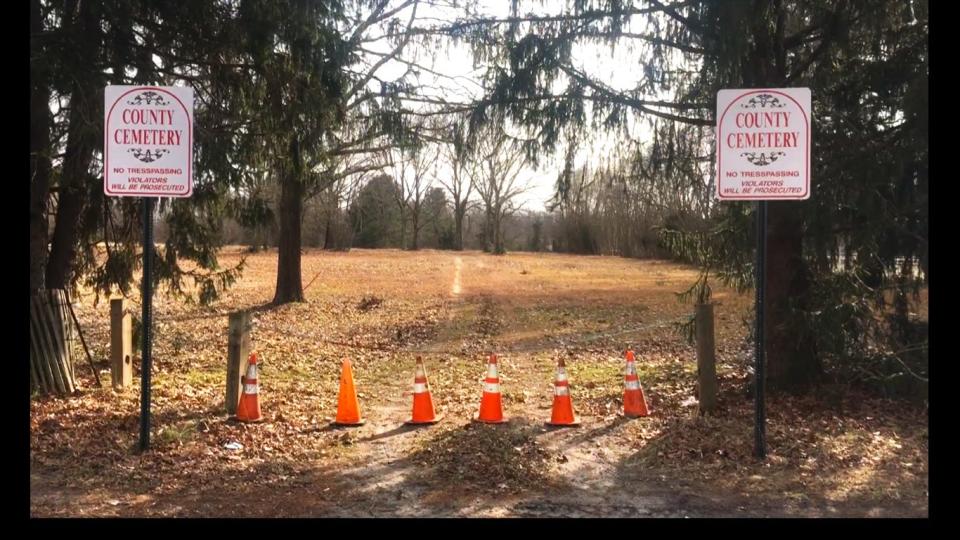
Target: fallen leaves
{"points": [[483, 456], [871, 448]]}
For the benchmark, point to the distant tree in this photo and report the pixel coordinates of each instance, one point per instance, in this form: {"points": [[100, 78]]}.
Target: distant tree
{"points": [[374, 216], [495, 179], [438, 220], [536, 235], [418, 180], [459, 186], [398, 163]]}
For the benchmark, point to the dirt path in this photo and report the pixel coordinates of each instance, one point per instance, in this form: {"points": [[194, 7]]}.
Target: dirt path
{"points": [[458, 265]]}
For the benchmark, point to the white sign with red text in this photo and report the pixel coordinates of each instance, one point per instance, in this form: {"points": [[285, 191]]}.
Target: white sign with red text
{"points": [[148, 141], [763, 144]]}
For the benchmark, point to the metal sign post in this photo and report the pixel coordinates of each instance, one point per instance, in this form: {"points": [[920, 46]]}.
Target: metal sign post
{"points": [[760, 443], [148, 153], [763, 154], [146, 362]]}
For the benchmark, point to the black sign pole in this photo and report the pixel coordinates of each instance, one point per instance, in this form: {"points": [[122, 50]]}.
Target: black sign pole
{"points": [[147, 299], [760, 447]]}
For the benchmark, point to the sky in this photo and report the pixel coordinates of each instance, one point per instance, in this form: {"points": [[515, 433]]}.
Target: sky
{"points": [[615, 66]]}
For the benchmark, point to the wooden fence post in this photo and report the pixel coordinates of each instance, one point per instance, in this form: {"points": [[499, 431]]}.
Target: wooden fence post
{"points": [[121, 346], [706, 359], [238, 349]]}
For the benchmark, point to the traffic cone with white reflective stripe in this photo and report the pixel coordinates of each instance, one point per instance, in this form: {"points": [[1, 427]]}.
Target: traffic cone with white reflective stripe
{"points": [[634, 404], [562, 403], [423, 412], [348, 407], [248, 410], [491, 407]]}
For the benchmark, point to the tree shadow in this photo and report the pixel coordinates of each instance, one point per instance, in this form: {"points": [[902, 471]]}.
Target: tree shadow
{"points": [[402, 428], [707, 464], [603, 429]]}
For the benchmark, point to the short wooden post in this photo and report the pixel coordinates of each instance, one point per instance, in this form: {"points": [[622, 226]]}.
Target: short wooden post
{"points": [[121, 345], [706, 359], [238, 348]]}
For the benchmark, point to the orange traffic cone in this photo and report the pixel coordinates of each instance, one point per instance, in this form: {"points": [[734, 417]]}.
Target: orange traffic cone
{"points": [[248, 410], [634, 404], [562, 403], [348, 408], [423, 412], [491, 408]]}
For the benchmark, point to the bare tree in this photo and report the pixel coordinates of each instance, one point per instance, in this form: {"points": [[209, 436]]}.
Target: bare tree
{"points": [[460, 188], [334, 200], [499, 163], [414, 165], [423, 168], [395, 160]]}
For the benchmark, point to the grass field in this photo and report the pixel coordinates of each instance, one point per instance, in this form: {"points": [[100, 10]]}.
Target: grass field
{"points": [[849, 455]]}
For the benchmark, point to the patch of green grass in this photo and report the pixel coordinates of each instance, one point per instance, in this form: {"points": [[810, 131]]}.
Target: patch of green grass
{"points": [[595, 372], [203, 378], [667, 371], [178, 433], [294, 373]]}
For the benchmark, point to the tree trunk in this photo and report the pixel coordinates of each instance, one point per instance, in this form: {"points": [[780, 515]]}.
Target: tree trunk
{"points": [[498, 244], [415, 221], [458, 223], [403, 227], [83, 136], [289, 282], [488, 231], [39, 154], [62, 247], [327, 236], [792, 362], [327, 240]]}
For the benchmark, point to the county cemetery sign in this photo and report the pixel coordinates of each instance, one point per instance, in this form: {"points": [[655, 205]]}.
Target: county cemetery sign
{"points": [[147, 153], [763, 144], [148, 141]]}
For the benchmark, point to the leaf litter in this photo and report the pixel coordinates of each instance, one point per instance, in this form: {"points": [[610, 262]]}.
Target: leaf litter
{"points": [[859, 453]]}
